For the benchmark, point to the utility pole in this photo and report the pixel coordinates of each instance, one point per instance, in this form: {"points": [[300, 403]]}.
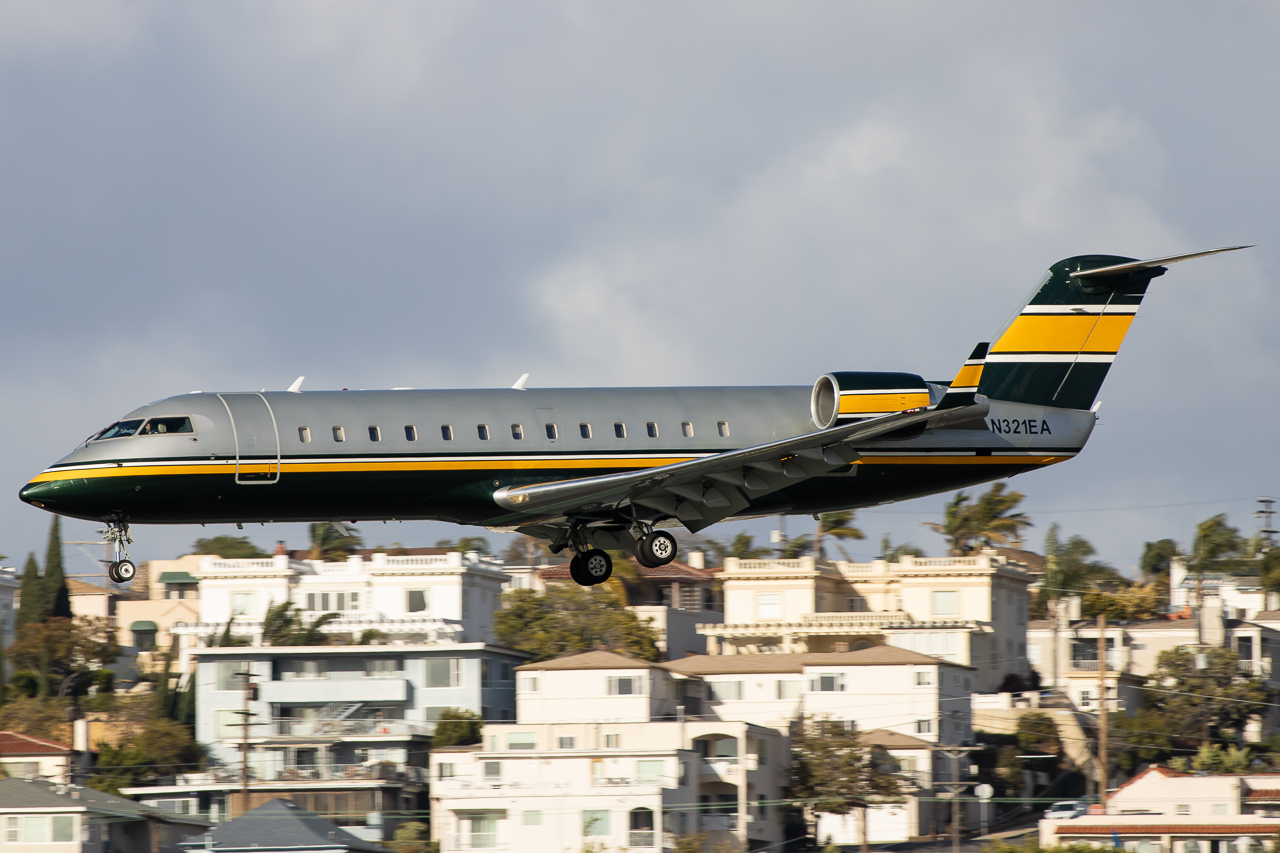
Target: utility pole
{"points": [[250, 693], [1102, 712], [955, 786], [1267, 532]]}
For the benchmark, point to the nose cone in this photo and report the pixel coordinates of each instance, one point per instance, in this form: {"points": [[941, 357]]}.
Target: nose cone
{"points": [[38, 494]]}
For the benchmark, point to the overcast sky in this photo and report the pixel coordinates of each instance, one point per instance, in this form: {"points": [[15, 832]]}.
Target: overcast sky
{"points": [[375, 194]]}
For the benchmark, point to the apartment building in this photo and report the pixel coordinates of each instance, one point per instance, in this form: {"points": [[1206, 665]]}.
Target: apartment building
{"points": [[966, 610], [602, 753]]}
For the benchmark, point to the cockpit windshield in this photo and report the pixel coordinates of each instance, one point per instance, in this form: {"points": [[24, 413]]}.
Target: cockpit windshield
{"points": [[119, 430], [163, 426]]}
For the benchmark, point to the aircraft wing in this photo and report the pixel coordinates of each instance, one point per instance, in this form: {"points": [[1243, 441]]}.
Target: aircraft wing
{"points": [[700, 492]]}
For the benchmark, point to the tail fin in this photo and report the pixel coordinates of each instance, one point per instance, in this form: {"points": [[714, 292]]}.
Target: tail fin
{"points": [[1058, 349], [965, 384]]}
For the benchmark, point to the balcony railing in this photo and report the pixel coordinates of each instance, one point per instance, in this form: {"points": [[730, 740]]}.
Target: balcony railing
{"points": [[379, 772], [1113, 665], [291, 727], [640, 838], [718, 822]]}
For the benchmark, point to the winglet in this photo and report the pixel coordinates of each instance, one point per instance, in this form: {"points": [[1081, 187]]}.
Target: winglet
{"points": [[1133, 266], [296, 387], [519, 386]]}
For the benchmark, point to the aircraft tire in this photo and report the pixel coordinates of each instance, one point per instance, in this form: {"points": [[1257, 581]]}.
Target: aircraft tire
{"points": [[111, 573], [576, 571], [597, 566], [656, 549], [125, 571]]}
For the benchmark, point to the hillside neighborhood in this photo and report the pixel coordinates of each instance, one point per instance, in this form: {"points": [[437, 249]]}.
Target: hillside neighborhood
{"points": [[741, 698]]}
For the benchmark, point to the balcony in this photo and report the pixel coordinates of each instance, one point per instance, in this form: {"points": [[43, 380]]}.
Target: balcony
{"points": [[640, 838], [337, 729], [718, 822], [321, 690], [472, 841], [1259, 668], [1092, 666], [377, 772]]}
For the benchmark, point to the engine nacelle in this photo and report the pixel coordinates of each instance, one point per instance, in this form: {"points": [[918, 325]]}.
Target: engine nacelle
{"points": [[853, 395]]}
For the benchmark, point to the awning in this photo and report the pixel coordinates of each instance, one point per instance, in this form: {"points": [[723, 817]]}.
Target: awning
{"points": [[143, 625], [177, 577]]}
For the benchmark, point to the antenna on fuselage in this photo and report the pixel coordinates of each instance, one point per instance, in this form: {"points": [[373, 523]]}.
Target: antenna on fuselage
{"points": [[519, 386], [296, 387]]}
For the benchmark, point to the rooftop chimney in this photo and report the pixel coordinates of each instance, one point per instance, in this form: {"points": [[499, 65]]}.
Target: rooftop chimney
{"points": [[280, 549], [696, 560]]}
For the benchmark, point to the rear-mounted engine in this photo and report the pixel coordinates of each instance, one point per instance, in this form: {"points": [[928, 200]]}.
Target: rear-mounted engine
{"points": [[852, 395]]}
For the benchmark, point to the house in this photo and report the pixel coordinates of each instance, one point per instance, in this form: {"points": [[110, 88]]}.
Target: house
{"points": [[166, 593], [968, 610], [10, 584], [1161, 790], [55, 818], [1163, 834], [28, 757], [281, 826], [342, 730]]}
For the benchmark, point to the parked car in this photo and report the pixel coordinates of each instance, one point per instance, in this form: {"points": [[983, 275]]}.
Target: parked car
{"points": [[1065, 810]]}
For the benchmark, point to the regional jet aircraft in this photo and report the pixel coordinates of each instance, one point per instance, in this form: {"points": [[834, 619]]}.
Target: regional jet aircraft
{"points": [[590, 469]]}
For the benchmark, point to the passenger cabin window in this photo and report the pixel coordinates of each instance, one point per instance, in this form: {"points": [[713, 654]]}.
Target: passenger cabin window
{"points": [[652, 429], [304, 435], [517, 432], [552, 432], [482, 430], [162, 426], [410, 433], [687, 429], [620, 430], [584, 430], [723, 428], [339, 434], [375, 434], [122, 429], [446, 432]]}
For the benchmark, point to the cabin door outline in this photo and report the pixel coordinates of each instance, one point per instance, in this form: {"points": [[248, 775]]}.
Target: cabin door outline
{"points": [[257, 438]]}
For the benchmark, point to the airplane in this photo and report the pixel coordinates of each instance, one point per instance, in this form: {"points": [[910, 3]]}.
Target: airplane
{"points": [[592, 469]]}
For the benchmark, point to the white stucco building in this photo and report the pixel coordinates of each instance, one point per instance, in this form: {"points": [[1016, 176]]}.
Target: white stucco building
{"points": [[10, 583]]}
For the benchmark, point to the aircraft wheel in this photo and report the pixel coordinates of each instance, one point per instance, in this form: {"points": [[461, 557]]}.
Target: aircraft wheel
{"points": [[111, 572], [656, 549], [125, 571], [576, 571], [597, 566]]}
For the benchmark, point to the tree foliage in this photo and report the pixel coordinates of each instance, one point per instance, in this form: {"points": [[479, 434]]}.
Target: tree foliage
{"points": [[66, 652], [283, 625], [1137, 602], [34, 604], [465, 544], [1038, 733], [741, 546], [163, 748], [1146, 737], [333, 543], [894, 553], [837, 525], [57, 596], [1212, 758], [413, 837], [1157, 559], [1212, 699], [229, 548], [1218, 547], [987, 522], [835, 769], [457, 727], [571, 619]]}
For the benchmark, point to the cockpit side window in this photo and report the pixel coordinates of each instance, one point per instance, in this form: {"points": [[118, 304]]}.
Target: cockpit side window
{"points": [[165, 426], [119, 429]]}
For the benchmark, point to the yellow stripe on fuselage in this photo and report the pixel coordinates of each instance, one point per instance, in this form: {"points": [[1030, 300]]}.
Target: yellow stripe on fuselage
{"points": [[1065, 333], [857, 404]]}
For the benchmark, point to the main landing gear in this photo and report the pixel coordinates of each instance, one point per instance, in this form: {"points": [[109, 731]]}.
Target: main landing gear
{"points": [[119, 570], [592, 566], [656, 548]]}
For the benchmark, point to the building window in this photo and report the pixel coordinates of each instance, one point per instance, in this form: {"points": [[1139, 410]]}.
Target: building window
{"points": [[443, 672], [382, 668], [725, 691], [522, 740], [1219, 808], [626, 685], [946, 603], [446, 432], [924, 678], [482, 430], [419, 600], [527, 684], [339, 434], [595, 822], [493, 770], [768, 605], [790, 689], [241, 603], [410, 432], [304, 435], [375, 434], [620, 430], [484, 830], [686, 429], [444, 771], [227, 674], [533, 818], [723, 428], [1244, 648], [552, 432], [1182, 808], [762, 752], [652, 429], [828, 682], [924, 727], [144, 641], [856, 604], [566, 743], [517, 432], [612, 741], [584, 430], [308, 668]]}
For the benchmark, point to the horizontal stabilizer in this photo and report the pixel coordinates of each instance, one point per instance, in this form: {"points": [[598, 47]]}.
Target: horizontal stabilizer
{"points": [[1119, 269]]}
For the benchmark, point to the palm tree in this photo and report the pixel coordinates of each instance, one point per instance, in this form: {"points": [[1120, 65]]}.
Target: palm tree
{"points": [[891, 553], [987, 522], [743, 547], [837, 525], [1217, 547], [332, 542]]}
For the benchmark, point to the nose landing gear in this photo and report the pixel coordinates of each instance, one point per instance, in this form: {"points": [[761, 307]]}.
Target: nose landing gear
{"points": [[119, 570]]}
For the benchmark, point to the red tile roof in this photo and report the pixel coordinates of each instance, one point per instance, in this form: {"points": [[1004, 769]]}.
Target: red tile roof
{"points": [[1168, 828], [12, 743], [1154, 768], [1263, 794]]}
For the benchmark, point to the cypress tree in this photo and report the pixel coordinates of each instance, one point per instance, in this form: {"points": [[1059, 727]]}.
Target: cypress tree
{"points": [[55, 579], [32, 609]]}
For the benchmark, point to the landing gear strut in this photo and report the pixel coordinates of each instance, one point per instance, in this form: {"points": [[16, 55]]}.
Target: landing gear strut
{"points": [[119, 570]]}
